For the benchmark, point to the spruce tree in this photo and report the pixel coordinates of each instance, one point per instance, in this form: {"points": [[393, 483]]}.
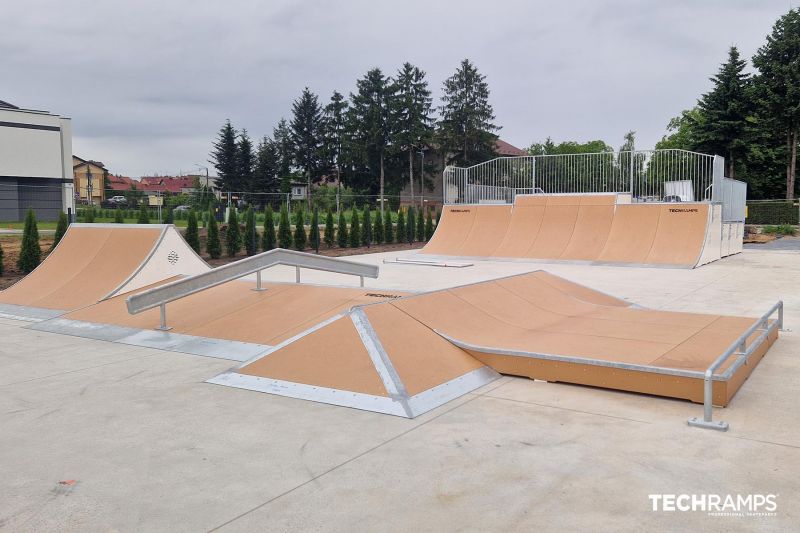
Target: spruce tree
{"points": [[192, 232], [377, 230], [250, 233], [342, 237], [411, 226], [366, 228], [300, 238], [428, 226], [265, 171], [144, 214], [233, 236], [314, 234], [388, 228], [268, 237], [284, 149], [420, 226], [245, 162], [335, 134], [355, 230], [329, 229], [466, 129], [223, 157], [119, 217], [213, 246], [30, 254], [61, 229], [284, 230], [401, 227], [307, 136]]}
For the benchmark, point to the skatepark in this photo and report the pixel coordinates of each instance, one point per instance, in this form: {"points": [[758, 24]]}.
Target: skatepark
{"points": [[571, 343]]}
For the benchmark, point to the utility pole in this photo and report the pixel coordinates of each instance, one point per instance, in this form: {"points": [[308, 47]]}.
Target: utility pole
{"points": [[89, 185]]}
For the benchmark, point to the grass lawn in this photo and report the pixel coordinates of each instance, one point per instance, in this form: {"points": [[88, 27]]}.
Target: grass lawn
{"points": [[21, 225]]}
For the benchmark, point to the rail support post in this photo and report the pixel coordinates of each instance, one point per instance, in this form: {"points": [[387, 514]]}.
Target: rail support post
{"points": [[707, 422], [258, 287], [163, 325], [297, 274], [362, 280]]}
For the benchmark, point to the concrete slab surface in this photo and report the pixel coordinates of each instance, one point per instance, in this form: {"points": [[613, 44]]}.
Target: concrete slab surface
{"points": [[96, 436]]}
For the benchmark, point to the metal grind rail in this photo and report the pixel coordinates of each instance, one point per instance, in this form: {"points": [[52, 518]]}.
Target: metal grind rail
{"points": [[169, 292], [743, 352]]}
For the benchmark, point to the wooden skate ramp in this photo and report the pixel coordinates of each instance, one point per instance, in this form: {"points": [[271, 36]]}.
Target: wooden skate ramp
{"points": [[94, 261], [576, 227]]}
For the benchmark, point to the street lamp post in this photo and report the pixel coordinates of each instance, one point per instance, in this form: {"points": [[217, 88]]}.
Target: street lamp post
{"points": [[421, 178], [89, 185]]}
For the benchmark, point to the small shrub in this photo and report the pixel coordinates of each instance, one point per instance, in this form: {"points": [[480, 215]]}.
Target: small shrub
{"points": [[1, 259], [329, 229], [268, 237], [300, 238], [118, 218], [342, 238], [30, 254], [781, 229], [366, 228], [61, 229], [213, 246], [314, 233], [411, 229], [284, 230], [233, 237], [377, 230], [401, 227], [428, 226], [355, 230], [144, 215], [250, 234], [420, 226], [192, 233]]}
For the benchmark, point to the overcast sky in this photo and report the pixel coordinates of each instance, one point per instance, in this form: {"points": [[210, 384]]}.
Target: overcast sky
{"points": [[148, 83]]}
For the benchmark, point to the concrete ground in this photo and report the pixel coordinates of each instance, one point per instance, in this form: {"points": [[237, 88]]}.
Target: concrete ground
{"points": [[97, 436]]}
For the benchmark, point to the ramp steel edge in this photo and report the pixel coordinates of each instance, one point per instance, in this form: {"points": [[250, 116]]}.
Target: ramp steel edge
{"points": [[169, 292]]}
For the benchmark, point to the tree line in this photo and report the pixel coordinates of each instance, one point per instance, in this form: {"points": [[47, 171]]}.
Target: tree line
{"points": [[369, 140]]}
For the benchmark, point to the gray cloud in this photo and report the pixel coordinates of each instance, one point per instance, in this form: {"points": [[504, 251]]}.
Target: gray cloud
{"points": [[148, 83]]}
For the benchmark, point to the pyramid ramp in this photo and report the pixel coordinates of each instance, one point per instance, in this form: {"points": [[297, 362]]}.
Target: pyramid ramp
{"points": [[93, 262]]}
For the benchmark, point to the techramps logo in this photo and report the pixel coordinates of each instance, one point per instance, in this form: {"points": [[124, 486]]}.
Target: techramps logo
{"points": [[736, 505]]}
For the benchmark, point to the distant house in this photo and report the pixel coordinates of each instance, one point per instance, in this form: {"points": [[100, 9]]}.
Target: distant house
{"points": [[299, 190], [504, 149], [90, 178], [169, 184], [121, 183]]}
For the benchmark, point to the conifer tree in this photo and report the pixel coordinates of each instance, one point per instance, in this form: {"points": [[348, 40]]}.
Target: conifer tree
{"points": [[192, 232], [420, 226], [250, 233], [355, 229], [401, 227], [307, 136], [268, 237], [223, 157], [342, 237], [314, 233], [213, 245], [233, 235], [30, 254], [428, 226], [411, 226], [388, 228], [170, 218], [284, 230], [118, 216], [377, 230], [330, 237], [245, 162], [61, 229], [300, 238], [88, 215], [366, 227], [144, 214]]}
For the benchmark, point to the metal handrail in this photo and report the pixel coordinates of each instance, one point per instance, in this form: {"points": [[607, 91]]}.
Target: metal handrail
{"points": [[739, 348], [175, 290]]}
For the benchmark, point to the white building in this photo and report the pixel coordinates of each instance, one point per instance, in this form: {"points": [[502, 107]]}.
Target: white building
{"points": [[35, 164]]}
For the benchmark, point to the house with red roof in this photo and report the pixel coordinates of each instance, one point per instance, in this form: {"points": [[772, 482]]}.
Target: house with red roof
{"points": [[170, 184]]}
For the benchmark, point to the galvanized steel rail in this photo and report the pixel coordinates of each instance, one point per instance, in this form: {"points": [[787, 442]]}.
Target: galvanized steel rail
{"points": [[169, 292], [740, 349]]}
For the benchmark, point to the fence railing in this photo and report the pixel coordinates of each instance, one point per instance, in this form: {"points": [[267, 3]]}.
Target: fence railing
{"points": [[648, 175]]}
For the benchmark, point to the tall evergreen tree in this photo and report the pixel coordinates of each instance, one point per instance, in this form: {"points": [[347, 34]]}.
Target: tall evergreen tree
{"points": [[377, 229], [366, 227], [307, 137], [213, 245], [777, 86], [300, 238], [250, 233], [30, 253], [61, 229], [223, 157], [420, 226], [284, 148], [401, 227], [342, 237], [411, 225], [268, 236], [369, 120], [245, 163], [284, 230], [314, 231], [388, 228], [355, 229], [723, 111], [233, 235], [412, 119], [265, 171], [192, 232], [465, 129], [334, 133], [330, 236]]}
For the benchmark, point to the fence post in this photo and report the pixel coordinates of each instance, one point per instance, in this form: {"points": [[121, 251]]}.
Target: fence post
{"points": [[718, 172]]}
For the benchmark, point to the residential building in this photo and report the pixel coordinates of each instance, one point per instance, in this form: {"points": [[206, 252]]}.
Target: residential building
{"points": [[35, 167], [120, 183], [90, 180], [170, 184]]}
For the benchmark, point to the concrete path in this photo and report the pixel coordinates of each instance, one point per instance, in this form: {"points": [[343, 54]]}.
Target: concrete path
{"points": [[99, 436]]}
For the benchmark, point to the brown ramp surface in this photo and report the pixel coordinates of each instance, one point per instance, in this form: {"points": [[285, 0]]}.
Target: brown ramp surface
{"points": [[491, 221], [526, 219], [452, 230], [592, 227], [89, 262], [632, 233], [560, 215], [680, 235]]}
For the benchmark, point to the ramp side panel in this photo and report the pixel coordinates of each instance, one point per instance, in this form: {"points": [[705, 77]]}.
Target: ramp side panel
{"points": [[681, 234], [522, 229], [490, 224], [452, 230], [632, 233], [558, 223], [332, 357], [712, 247], [78, 247], [422, 358]]}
